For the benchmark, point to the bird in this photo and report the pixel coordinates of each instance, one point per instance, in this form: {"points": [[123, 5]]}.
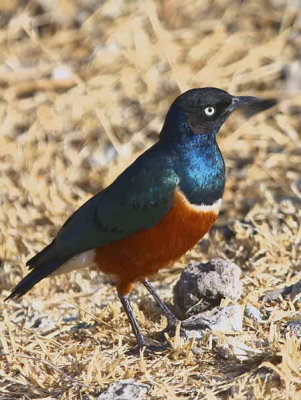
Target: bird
{"points": [[154, 212]]}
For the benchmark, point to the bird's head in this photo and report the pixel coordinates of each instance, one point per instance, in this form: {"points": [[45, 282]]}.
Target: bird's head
{"points": [[201, 112]]}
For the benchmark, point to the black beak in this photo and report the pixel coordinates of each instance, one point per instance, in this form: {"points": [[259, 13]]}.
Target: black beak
{"points": [[239, 101]]}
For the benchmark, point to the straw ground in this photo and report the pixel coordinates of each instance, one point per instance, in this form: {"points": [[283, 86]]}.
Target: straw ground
{"points": [[84, 89]]}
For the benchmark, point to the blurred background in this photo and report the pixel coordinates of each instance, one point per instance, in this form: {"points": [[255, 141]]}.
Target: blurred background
{"points": [[84, 88]]}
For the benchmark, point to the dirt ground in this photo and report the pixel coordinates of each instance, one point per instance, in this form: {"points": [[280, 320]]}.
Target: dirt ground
{"points": [[84, 88]]}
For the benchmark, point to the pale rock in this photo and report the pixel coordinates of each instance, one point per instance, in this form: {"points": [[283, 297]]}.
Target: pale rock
{"points": [[203, 286], [127, 389], [220, 319]]}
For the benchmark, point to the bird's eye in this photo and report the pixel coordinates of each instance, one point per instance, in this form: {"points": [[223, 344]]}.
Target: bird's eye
{"points": [[209, 111]]}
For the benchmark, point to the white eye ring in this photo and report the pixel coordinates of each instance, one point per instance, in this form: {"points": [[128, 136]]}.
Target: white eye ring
{"points": [[209, 111]]}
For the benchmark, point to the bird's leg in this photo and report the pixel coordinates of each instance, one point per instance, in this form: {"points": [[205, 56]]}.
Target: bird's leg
{"points": [[139, 337], [130, 314], [171, 318]]}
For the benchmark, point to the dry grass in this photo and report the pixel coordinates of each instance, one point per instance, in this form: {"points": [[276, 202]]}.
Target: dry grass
{"points": [[84, 88]]}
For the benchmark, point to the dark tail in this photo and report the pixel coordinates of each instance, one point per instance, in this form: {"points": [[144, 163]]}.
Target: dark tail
{"points": [[35, 276], [43, 257], [42, 265]]}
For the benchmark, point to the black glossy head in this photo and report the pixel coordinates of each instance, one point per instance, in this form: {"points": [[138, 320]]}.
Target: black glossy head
{"points": [[202, 111], [206, 109]]}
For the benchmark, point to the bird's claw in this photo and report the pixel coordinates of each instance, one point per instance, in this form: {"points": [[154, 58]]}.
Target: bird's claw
{"points": [[185, 327], [147, 349]]}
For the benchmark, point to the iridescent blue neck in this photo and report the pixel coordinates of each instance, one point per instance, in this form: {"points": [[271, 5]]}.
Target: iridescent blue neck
{"points": [[197, 159]]}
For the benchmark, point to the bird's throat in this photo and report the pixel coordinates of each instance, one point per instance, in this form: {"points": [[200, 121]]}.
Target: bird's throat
{"points": [[202, 172]]}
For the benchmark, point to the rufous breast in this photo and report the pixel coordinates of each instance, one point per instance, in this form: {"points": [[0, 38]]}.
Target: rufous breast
{"points": [[145, 252]]}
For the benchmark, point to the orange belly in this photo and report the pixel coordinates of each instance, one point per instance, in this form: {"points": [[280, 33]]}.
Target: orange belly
{"points": [[145, 252]]}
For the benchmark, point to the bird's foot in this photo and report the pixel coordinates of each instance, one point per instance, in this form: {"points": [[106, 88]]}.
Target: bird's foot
{"points": [[196, 324], [185, 327], [147, 348]]}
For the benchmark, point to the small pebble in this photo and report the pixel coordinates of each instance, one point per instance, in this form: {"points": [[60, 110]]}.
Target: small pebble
{"points": [[237, 349], [62, 73], [127, 389], [294, 327], [253, 313]]}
